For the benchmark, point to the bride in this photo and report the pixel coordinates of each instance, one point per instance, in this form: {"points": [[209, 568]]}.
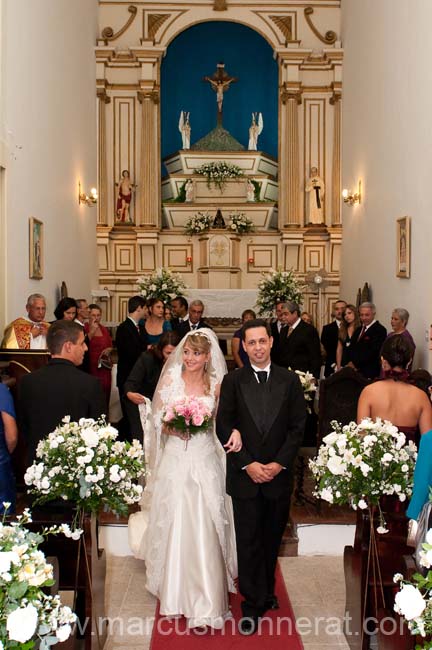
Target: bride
{"points": [[188, 542]]}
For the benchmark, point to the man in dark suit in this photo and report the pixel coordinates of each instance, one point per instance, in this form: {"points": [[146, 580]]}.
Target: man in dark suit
{"points": [[131, 341], [179, 309], [330, 337], [299, 342], [58, 389], [276, 328], [266, 404], [366, 342], [195, 320]]}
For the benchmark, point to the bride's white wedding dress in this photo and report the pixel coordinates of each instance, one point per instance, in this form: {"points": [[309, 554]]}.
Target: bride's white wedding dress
{"points": [[189, 542]]}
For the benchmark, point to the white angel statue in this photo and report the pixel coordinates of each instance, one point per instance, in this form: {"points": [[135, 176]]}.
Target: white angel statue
{"points": [[185, 129], [254, 130]]}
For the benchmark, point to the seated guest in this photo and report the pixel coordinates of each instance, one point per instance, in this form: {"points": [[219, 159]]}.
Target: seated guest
{"points": [[350, 322], [28, 332], [58, 389], [366, 343], [330, 337], [8, 441], [276, 327], [144, 377], [239, 354], [195, 320], [99, 340], [393, 398], [179, 309], [66, 309], [155, 324], [299, 342]]}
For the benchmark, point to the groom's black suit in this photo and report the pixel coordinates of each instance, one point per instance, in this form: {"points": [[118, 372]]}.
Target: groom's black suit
{"points": [[271, 419]]}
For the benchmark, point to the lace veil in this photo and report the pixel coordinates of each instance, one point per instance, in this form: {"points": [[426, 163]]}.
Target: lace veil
{"points": [[168, 388]]}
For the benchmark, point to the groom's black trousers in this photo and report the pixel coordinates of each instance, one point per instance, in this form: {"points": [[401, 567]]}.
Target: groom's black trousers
{"points": [[259, 523]]}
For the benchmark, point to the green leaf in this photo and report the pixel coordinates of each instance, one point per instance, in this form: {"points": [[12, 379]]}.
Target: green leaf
{"points": [[18, 589]]}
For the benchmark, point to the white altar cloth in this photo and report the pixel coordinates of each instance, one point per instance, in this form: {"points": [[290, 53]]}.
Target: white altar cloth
{"points": [[224, 303]]}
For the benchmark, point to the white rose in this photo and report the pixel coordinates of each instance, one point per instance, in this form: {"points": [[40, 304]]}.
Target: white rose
{"points": [[362, 504], [409, 602], [331, 438], [21, 623], [90, 437], [387, 458], [327, 495], [6, 559], [336, 465], [381, 530]]}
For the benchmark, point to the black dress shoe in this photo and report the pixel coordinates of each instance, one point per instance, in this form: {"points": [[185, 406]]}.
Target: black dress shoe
{"points": [[271, 602], [248, 625]]}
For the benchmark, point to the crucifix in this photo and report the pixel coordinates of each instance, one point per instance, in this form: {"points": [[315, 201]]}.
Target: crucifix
{"points": [[220, 82]]}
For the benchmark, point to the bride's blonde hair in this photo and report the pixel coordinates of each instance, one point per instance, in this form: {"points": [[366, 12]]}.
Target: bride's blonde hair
{"points": [[200, 343]]}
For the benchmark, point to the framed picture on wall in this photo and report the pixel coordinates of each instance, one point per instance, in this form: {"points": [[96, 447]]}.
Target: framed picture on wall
{"points": [[403, 242], [36, 249]]}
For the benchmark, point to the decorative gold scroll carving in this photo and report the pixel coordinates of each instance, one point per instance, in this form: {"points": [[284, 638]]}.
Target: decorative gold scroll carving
{"points": [[108, 32], [152, 95], [285, 25], [220, 5], [287, 94], [154, 22], [101, 94], [329, 38], [336, 97]]}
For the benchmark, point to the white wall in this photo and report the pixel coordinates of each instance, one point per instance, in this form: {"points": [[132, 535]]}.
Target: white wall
{"points": [[47, 143], [387, 143]]}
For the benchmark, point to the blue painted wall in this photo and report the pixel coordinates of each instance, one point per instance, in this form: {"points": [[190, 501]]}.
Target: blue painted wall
{"points": [[194, 55]]}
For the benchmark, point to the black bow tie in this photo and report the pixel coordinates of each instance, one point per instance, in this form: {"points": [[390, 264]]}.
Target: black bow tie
{"points": [[262, 376]]}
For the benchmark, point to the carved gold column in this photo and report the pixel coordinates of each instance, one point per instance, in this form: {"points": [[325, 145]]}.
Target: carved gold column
{"points": [[289, 187], [335, 100], [149, 186], [103, 175]]}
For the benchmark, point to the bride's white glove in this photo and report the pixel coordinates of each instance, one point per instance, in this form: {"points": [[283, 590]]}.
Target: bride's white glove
{"points": [[234, 442]]}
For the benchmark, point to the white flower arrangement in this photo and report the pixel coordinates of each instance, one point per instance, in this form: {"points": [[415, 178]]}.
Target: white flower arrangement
{"points": [[217, 173], [27, 613], [359, 463], [414, 598], [308, 384], [239, 223], [199, 223], [278, 286], [83, 462], [162, 284]]}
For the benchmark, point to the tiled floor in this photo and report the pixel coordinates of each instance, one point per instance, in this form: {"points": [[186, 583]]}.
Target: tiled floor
{"points": [[315, 586]]}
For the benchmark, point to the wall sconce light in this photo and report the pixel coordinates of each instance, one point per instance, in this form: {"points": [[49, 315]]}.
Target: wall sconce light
{"points": [[88, 200], [189, 260], [251, 260], [351, 198]]}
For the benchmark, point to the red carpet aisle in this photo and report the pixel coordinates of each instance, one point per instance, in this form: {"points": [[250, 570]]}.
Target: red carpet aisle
{"points": [[277, 631]]}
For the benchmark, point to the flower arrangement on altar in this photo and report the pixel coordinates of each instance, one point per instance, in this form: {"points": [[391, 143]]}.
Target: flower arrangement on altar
{"points": [[278, 286], [27, 614], [162, 284], [83, 462], [239, 223], [308, 385], [217, 173], [199, 223], [359, 463], [414, 598]]}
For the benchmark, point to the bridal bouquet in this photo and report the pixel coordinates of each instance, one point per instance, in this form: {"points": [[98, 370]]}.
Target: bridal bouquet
{"points": [[359, 463], [84, 462], [414, 599], [27, 614], [190, 415]]}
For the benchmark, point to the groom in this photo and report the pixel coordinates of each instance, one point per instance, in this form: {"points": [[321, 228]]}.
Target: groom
{"points": [[266, 404]]}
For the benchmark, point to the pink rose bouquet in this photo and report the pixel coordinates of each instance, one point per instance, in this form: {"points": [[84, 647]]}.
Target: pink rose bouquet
{"points": [[189, 415]]}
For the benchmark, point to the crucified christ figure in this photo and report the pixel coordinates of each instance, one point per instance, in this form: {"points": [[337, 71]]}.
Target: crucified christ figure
{"points": [[220, 82]]}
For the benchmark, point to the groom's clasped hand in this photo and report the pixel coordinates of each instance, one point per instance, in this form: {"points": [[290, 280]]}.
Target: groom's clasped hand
{"points": [[260, 473]]}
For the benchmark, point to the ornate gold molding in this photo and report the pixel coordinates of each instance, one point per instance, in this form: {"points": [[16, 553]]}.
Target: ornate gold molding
{"points": [[336, 97], [329, 38], [101, 94], [154, 22], [284, 23], [108, 32], [287, 94], [152, 95]]}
